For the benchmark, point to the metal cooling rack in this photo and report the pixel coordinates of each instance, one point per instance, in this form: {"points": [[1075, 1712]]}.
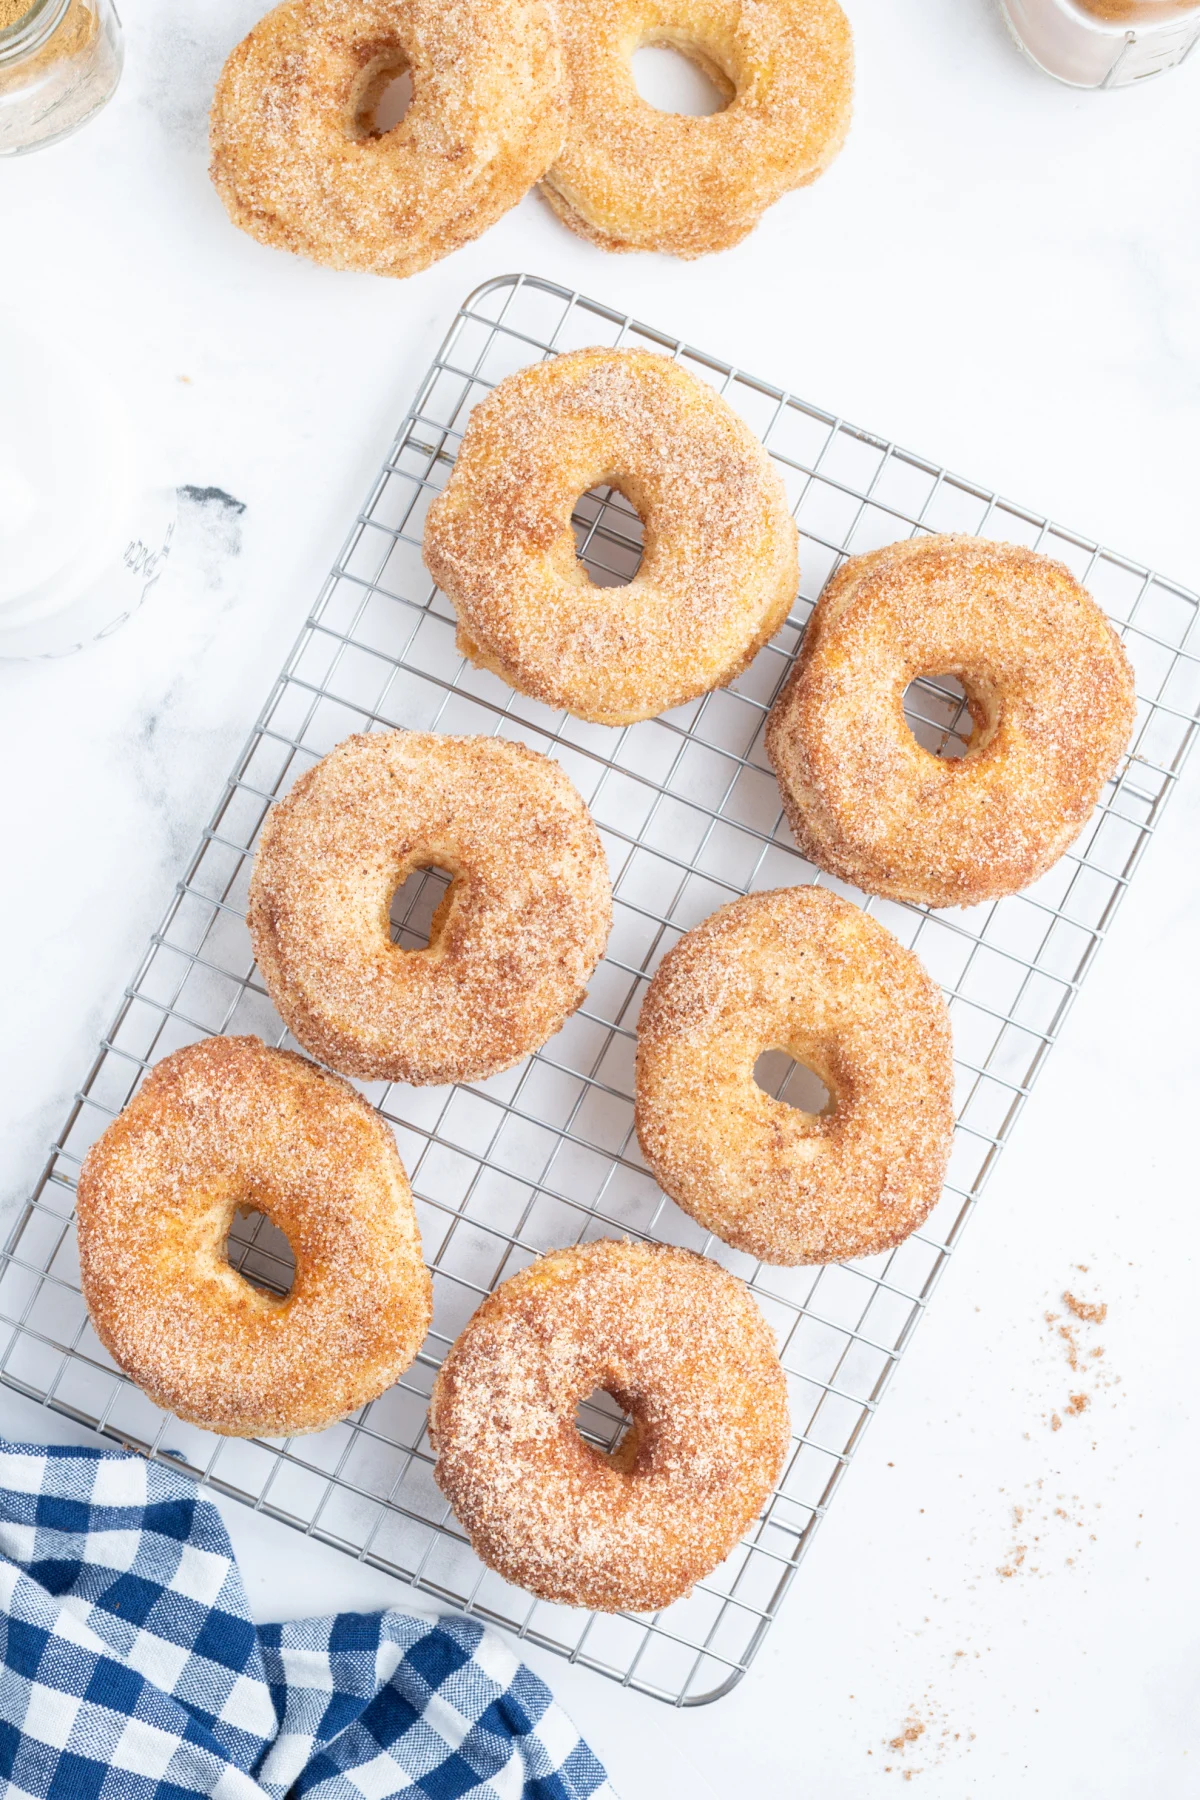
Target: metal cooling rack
{"points": [[546, 1155]]}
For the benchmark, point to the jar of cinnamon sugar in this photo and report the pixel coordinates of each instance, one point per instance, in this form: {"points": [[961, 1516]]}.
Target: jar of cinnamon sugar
{"points": [[60, 61], [1104, 43]]}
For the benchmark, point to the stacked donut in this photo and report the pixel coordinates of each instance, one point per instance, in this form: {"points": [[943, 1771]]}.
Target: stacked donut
{"points": [[673, 1337], [509, 93]]}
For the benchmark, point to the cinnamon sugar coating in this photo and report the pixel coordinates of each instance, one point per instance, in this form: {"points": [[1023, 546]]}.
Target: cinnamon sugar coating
{"points": [[719, 566], [632, 178], [682, 1347], [512, 946], [297, 161], [1051, 696], [226, 1124], [803, 971]]}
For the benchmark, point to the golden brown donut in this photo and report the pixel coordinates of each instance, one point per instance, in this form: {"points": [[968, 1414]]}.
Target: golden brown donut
{"points": [[227, 1124], [512, 946], [718, 572], [683, 1349], [299, 165], [1050, 692], [632, 178], [803, 971]]}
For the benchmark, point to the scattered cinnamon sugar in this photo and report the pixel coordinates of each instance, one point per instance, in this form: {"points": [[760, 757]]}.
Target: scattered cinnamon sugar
{"points": [[928, 1725], [1049, 1526], [1049, 1531], [1094, 1313], [1053, 1530], [1041, 1522], [1069, 1329]]}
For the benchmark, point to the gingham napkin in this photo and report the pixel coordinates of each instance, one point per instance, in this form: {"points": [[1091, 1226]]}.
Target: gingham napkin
{"points": [[130, 1668]]}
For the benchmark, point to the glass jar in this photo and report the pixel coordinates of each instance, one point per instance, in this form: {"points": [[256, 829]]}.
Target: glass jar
{"points": [[1104, 43], [60, 61], [85, 521]]}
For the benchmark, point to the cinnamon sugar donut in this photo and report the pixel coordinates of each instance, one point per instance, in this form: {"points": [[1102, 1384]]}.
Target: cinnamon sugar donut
{"points": [[219, 1126], [298, 162], [632, 178], [718, 571], [1050, 692], [511, 947], [683, 1348], [803, 971]]}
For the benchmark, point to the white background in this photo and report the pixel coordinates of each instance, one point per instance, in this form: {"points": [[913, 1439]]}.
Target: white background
{"points": [[1002, 274]]}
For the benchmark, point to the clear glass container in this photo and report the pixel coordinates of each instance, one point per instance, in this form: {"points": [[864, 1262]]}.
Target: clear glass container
{"points": [[60, 62], [1104, 43], [85, 521]]}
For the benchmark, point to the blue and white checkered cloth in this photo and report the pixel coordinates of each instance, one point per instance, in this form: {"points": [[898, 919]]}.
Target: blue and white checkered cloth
{"points": [[130, 1668]]}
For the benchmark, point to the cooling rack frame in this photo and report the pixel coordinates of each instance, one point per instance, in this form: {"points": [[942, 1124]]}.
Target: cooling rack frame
{"points": [[544, 1155]]}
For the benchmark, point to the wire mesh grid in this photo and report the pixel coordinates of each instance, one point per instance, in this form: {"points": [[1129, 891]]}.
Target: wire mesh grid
{"points": [[546, 1155]]}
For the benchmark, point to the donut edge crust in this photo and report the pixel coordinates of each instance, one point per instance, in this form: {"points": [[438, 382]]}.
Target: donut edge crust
{"points": [[689, 973], [817, 837], [747, 1340], [245, 188], [451, 556], [103, 1191], [749, 190], [337, 1045]]}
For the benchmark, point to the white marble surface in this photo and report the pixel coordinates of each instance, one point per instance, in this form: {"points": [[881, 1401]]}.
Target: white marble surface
{"points": [[1000, 273]]}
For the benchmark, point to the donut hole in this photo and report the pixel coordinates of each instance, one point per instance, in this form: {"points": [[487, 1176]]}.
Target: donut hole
{"points": [[937, 710], [602, 1422], [382, 95], [259, 1252], [609, 537], [794, 1083], [675, 74], [413, 921], [392, 104]]}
